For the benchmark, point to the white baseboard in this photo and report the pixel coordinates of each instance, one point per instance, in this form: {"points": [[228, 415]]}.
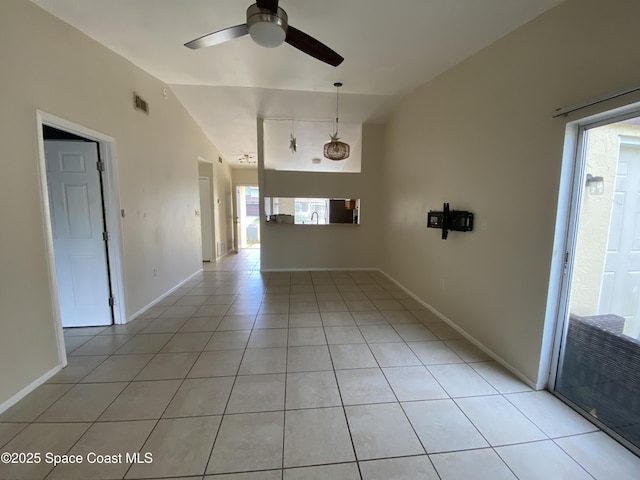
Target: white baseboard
{"points": [[468, 336], [358, 269], [29, 388], [166, 294]]}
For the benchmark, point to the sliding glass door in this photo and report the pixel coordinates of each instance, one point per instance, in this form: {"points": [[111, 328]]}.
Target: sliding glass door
{"points": [[599, 356]]}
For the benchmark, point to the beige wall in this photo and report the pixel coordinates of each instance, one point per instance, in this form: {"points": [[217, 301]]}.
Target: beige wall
{"points": [[49, 66], [481, 136], [244, 176], [328, 246]]}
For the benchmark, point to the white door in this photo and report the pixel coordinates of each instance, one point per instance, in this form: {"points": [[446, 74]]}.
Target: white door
{"points": [[77, 223], [620, 291], [205, 218]]}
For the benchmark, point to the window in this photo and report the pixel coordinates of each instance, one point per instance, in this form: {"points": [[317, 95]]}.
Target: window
{"points": [[312, 211]]}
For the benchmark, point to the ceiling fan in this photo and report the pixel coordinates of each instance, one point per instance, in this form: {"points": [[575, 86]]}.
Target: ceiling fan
{"points": [[267, 24]]}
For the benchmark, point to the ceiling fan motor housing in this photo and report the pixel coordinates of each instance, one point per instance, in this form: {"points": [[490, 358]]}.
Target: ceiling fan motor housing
{"points": [[267, 28]]}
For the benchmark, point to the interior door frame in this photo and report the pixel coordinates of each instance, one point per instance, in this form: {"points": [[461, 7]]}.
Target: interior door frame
{"points": [[107, 149], [213, 219]]}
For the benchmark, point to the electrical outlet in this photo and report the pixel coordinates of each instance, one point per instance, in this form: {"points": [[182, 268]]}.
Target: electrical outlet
{"points": [[155, 272]]}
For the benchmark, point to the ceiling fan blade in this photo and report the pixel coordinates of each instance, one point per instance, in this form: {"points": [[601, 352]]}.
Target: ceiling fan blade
{"points": [[271, 5], [220, 36], [311, 46]]}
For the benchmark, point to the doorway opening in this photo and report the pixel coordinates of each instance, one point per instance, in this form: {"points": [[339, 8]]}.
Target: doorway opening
{"points": [[597, 360], [81, 216], [78, 228], [205, 219], [248, 216], [207, 212]]}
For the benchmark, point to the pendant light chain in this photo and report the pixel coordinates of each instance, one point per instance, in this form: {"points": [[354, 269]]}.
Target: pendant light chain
{"points": [[337, 85]]}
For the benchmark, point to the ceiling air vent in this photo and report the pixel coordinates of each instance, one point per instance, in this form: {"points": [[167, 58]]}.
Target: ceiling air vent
{"points": [[140, 104]]}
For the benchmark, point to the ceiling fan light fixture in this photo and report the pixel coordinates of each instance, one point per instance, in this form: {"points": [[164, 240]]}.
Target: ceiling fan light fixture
{"points": [[266, 28], [248, 159], [268, 25], [335, 149]]}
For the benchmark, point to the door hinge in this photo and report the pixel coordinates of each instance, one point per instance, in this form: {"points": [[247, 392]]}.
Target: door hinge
{"points": [[106, 236], [112, 301], [100, 166]]}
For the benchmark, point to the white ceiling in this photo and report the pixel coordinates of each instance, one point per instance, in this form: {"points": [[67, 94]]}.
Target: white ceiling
{"points": [[390, 48]]}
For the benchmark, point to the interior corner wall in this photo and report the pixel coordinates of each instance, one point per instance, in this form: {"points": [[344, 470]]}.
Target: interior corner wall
{"points": [[481, 136], [340, 246], [58, 70]]}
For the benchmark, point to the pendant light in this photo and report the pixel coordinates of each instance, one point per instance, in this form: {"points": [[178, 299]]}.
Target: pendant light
{"points": [[335, 149]]}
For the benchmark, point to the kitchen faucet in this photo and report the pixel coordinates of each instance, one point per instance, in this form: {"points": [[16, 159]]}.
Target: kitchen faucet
{"points": [[317, 217]]}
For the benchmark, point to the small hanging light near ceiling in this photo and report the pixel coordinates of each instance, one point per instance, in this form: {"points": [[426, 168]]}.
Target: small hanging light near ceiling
{"points": [[335, 149], [247, 159]]}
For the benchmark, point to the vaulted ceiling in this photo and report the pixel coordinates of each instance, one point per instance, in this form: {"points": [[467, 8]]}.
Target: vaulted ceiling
{"points": [[390, 48]]}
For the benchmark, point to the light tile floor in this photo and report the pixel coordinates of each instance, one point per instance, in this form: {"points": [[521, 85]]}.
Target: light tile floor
{"points": [[239, 375]]}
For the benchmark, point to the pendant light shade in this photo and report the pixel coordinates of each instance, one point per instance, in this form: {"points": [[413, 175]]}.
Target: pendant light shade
{"points": [[335, 149]]}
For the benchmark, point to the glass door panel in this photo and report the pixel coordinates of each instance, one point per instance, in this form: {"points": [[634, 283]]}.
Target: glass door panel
{"points": [[599, 365]]}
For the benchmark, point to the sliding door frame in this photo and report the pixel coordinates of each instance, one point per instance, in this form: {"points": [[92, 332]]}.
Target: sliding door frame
{"points": [[568, 216]]}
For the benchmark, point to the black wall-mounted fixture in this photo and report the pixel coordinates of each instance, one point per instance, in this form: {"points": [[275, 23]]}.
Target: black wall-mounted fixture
{"points": [[595, 184], [454, 220]]}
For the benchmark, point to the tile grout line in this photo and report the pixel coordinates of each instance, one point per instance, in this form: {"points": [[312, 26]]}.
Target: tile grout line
{"points": [[92, 423], [344, 410], [224, 411], [161, 417], [284, 400]]}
